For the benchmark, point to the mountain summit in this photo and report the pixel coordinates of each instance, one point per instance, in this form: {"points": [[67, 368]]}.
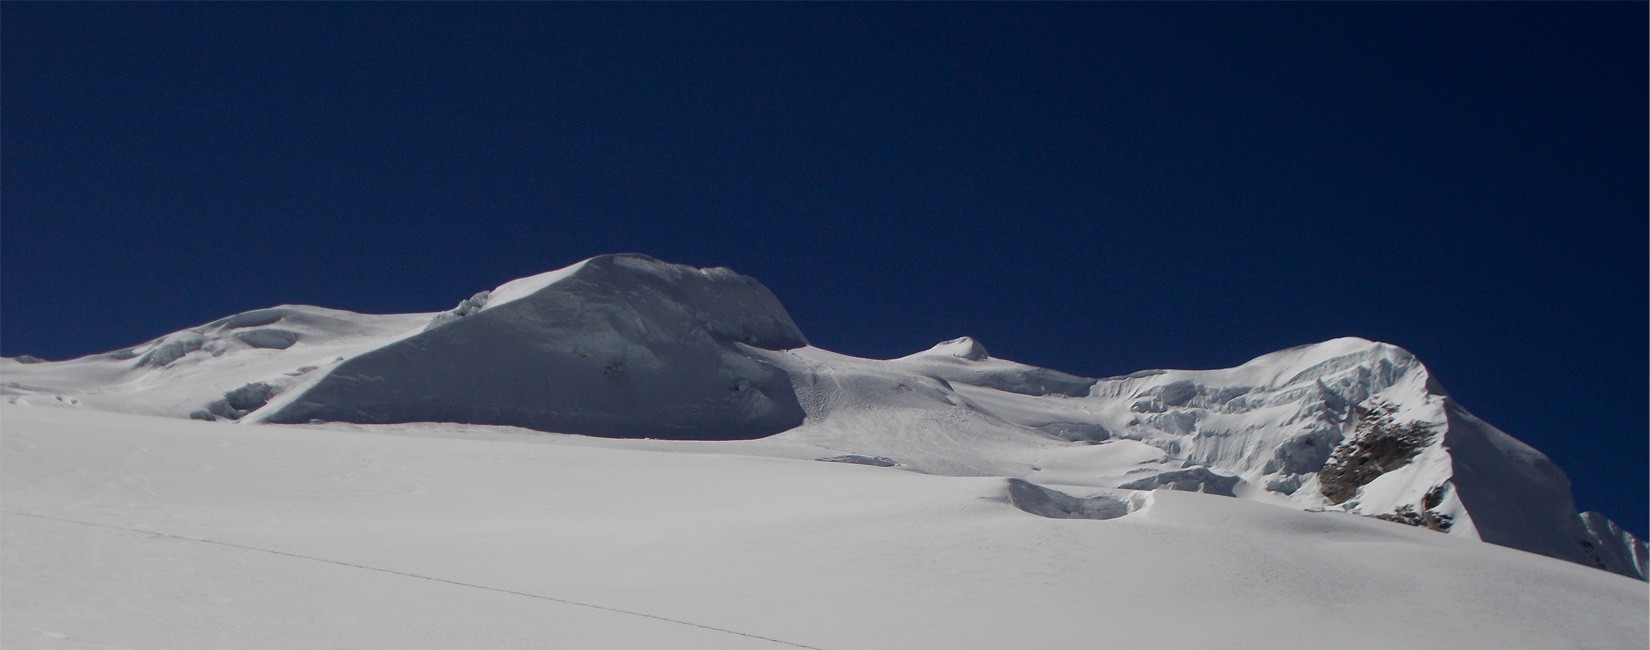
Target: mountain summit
{"points": [[618, 346], [626, 346]]}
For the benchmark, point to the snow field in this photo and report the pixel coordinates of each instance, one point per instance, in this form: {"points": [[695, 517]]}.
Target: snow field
{"points": [[420, 536]]}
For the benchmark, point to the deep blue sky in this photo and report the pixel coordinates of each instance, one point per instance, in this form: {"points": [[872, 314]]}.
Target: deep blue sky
{"points": [[1095, 188]]}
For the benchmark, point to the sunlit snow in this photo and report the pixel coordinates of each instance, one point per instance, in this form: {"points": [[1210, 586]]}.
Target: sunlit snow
{"points": [[425, 491]]}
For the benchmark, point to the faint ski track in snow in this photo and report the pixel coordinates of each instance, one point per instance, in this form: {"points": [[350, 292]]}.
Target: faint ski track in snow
{"points": [[415, 575]]}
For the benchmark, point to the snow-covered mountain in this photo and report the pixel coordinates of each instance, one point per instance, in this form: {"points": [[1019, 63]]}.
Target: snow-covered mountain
{"points": [[625, 346]]}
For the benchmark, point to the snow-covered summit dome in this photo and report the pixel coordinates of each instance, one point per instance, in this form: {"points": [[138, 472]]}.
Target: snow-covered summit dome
{"points": [[962, 348], [728, 305], [617, 345]]}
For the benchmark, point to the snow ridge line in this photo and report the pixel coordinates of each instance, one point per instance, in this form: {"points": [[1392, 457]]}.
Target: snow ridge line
{"points": [[419, 576]]}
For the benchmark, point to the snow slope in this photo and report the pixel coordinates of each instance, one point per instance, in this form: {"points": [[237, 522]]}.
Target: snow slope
{"points": [[122, 530], [1262, 431], [621, 345], [627, 346], [188, 373]]}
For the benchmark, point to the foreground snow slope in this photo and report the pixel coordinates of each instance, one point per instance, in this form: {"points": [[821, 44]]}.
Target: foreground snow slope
{"points": [[628, 346], [133, 531]]}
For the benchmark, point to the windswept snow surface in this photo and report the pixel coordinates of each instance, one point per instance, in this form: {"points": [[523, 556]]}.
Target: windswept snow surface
{"points": [[626, 346], [122, 530]]}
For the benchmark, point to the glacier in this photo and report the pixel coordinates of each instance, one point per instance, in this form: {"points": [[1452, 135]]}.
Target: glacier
{"points": [[628, 347], [137, 531]]}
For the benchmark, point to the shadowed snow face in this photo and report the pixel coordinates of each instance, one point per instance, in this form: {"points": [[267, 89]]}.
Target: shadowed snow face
{"points": [[623, 347]]}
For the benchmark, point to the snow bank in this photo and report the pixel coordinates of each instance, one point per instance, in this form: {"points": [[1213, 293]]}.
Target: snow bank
{"points": [[1054, 504]]}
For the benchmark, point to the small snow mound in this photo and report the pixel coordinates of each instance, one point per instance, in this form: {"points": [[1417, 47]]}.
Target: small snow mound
{"points": [[1047, 502], [962, 348], [468, 307], [254, 318], [858, 459], [171, 348], [297, 317], [1076, 431], [1192, 479], [269, 338], [236, 403]]}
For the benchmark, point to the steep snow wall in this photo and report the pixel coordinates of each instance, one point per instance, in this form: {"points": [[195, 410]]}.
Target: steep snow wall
{"points": [[1519, 498], [621, 346], [1616, 549]]}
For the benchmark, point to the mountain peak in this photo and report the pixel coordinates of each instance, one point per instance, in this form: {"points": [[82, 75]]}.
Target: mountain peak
{"points": [[616, 345]]}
